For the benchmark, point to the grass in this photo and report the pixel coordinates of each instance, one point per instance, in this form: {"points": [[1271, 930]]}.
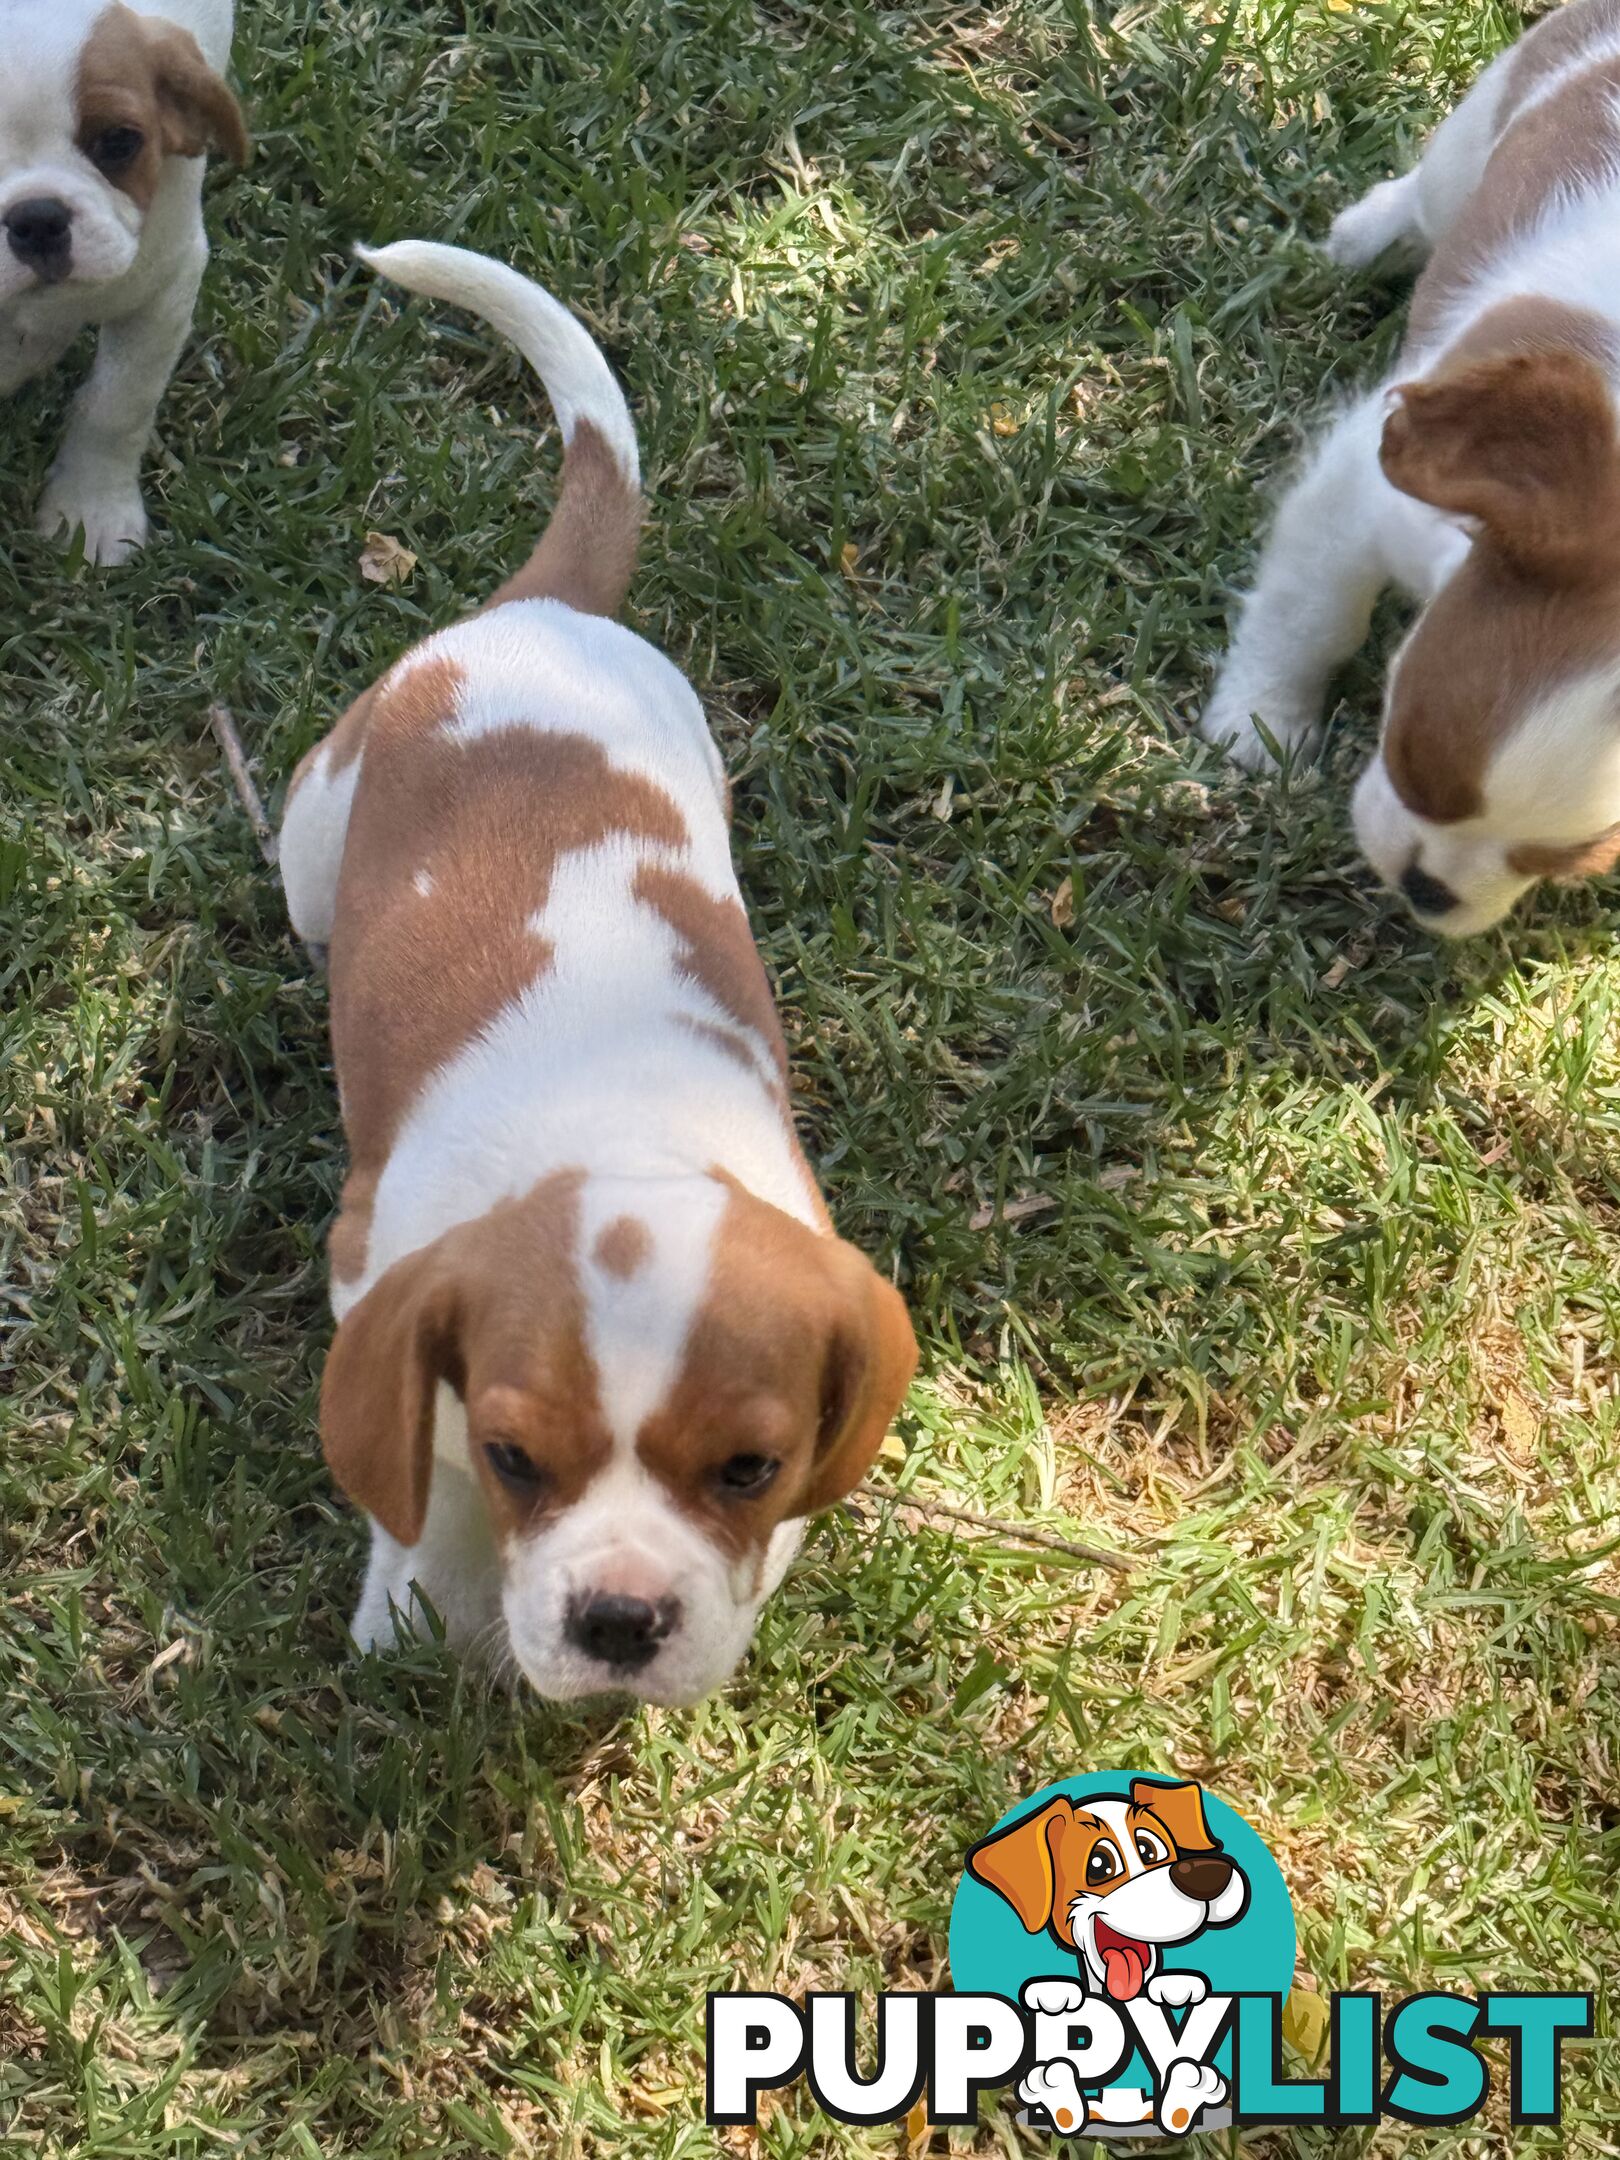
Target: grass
{"points": [[1248, 1232]]}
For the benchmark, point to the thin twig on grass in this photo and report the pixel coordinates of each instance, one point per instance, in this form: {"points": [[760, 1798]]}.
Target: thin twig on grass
{"points": [[224, 727], [997, 1526]]}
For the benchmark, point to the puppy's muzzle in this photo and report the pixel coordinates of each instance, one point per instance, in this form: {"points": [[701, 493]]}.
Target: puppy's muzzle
{"points": [[39, 232], [1201, 1875], [624, 1632]]}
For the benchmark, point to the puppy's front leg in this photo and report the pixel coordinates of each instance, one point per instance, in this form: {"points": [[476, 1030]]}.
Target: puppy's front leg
{"points": [[453, 1564], [1320, 574], [95, 482]]}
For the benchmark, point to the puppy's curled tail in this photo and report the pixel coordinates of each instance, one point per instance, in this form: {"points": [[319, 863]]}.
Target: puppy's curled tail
{"points": [[587, 552]]}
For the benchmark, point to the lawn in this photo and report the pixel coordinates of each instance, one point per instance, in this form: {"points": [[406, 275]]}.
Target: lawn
{"points": [[1249, 1233]]}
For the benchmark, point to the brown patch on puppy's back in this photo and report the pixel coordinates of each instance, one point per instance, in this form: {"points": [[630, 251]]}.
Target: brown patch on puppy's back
{"points": [[1567, 144], [1555, 44], [339, 746], [416, 974], [718, 952], [1533, 323]]}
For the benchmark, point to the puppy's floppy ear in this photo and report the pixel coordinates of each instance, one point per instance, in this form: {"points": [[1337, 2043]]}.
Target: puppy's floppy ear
{"points": [[870, 1357], [382, 1372], [1180, 1808], [199, 111], [1524, 443], [1020, 1862]]}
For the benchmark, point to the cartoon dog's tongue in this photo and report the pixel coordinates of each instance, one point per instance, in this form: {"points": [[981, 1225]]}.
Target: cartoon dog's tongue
{"points": [[1125, 1962]]}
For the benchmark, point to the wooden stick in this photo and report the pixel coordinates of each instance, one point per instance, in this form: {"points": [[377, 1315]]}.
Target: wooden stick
{"points": [[224, 727], [996, 1526]]}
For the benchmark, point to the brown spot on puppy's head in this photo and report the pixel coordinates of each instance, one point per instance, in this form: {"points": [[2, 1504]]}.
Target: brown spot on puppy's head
{"points": [[622, 1247], [143, 93]]}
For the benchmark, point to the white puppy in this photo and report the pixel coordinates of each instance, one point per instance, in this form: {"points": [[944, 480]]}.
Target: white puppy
{"points": [[1483, 478], [106, 114]]}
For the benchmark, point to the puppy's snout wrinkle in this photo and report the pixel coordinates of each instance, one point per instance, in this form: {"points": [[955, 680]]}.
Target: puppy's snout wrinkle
{"points": [[39, 231], [625, 1632], [1201, 1875]]}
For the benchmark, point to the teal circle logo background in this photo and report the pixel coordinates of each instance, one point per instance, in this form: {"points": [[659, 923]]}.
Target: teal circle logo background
{"points": [[991, 1954]]}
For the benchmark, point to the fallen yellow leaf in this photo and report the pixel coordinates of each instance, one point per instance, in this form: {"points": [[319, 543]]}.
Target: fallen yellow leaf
{"points": [[384, 560], [1063, 905]]}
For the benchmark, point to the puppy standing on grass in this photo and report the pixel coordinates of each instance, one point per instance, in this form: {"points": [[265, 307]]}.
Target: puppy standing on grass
{"points": [[1485, 480], [598, 1353], [106, 114]]}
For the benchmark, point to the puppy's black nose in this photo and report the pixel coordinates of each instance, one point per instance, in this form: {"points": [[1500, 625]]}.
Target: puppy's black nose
{"points": [[1427, 894], [1201, 1875], [621, 1631], [40, 231]]}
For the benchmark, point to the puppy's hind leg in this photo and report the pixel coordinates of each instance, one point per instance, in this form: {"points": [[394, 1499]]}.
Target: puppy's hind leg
{"points": [[1320, 573], [1386, 217], [1410, 214]]}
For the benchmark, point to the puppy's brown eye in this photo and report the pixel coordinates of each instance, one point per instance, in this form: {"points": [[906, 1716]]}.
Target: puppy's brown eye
{"points": [[741, 1477], [116, 147], [1150, 1849], [513, 1465], [1103, 1865]]}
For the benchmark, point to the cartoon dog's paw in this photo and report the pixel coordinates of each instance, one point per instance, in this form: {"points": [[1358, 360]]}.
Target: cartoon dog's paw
{"points": [[1189, 2088], [1177, 1990], [1054, 1998], [1055, 2090]]}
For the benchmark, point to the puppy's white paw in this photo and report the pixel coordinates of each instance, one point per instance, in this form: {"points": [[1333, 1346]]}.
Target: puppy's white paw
{"points": [[1054, 2088], [1229, 719], [110, 511], [1176, 1990], [1053, 1998], [1189, 2088]]}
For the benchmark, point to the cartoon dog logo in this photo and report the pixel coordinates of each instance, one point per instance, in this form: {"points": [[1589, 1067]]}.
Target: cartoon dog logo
{"points": [[1116, 1880]]}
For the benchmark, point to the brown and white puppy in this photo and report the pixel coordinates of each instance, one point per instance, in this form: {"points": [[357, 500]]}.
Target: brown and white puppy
{"points": [[1484, 477], [106, 115], [598, 1353]]}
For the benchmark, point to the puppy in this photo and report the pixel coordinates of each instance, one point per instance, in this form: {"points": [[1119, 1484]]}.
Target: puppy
{"points": [[1484, 479], [598, 1351], [106, 113]]}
